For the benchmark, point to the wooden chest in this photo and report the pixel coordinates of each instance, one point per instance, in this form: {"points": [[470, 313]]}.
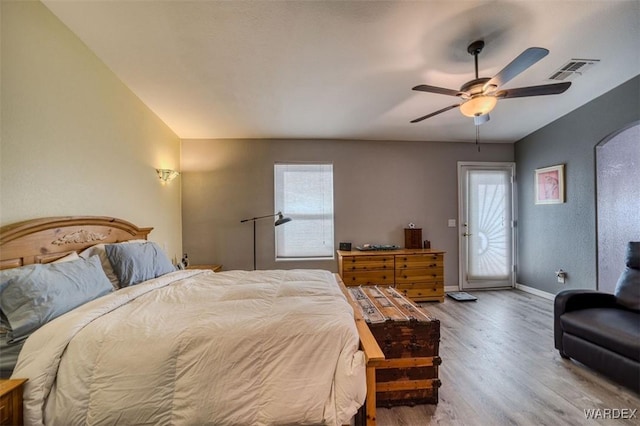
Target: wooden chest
{"points": [[409, 339]]}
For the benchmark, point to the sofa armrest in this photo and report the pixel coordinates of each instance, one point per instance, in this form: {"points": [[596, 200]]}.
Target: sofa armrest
{"points": [[573, 300]]}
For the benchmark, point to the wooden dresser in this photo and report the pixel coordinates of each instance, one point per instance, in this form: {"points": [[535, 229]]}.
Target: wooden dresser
{"points": [[11, 402], [417, 273]]}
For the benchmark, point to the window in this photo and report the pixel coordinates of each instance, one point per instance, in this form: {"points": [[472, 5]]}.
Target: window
{"points": [[304, 192]]}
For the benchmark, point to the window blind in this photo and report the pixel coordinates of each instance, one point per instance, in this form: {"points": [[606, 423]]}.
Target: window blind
{"points": [[304, 192]]}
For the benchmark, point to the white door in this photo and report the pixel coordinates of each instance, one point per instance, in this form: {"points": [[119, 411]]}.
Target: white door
{"points": [[486, 222]]}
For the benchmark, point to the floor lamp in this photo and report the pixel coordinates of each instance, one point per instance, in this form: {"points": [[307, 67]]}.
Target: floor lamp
{"points": [[281, 219]]}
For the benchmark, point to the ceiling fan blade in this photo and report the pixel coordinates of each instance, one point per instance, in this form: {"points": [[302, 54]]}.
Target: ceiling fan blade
{"points": [[435, 113], [439, 90], [515, 67], [545, 89]]}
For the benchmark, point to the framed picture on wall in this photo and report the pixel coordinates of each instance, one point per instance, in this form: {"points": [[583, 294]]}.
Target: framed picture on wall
{"points": [[549, 183]]}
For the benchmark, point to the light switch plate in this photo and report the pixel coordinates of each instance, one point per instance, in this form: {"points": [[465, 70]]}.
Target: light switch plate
{"points": [[452, 223]]}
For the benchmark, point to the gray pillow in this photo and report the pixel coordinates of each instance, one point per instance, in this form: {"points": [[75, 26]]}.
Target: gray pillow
{"points": [[628, 287], [137, 262], [33, 295]]}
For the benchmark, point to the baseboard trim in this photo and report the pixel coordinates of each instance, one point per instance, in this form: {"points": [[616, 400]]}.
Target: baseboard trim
{"points": [[450, 288], [535, 291]]}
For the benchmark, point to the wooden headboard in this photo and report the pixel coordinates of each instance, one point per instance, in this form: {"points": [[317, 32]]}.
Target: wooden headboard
{"points": [[47, 239]]}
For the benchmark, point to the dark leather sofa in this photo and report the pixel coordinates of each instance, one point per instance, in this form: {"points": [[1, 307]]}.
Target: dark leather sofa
{"points": [[602, 330]]}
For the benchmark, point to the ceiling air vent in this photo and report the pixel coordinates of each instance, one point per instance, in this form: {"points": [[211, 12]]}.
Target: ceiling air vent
{"points": [[573, 69]]}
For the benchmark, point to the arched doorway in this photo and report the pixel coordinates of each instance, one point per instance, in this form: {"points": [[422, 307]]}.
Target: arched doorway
{"points": [[617, 201]]}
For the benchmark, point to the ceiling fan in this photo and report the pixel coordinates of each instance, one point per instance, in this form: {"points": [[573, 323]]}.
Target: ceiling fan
{"points": [[480, 95]]}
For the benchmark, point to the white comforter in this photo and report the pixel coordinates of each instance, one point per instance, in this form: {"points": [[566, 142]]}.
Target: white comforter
{"points": [[193, 347]]}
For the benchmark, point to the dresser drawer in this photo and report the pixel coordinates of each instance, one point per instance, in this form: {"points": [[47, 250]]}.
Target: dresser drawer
{"points": [[6, 403], [420, 285], [367, 263], [368, 277], [420, 261], [424, 293], [418, 275]]}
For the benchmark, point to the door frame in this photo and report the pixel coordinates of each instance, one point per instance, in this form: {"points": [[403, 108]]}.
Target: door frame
{"points": [[462, 257]]}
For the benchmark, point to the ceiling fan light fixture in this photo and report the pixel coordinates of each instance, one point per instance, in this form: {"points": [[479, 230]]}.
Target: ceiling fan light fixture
{"points": [[478, 105]]}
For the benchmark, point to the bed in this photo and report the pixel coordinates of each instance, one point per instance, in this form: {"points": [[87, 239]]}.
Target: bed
{"points": [[166, 346]]}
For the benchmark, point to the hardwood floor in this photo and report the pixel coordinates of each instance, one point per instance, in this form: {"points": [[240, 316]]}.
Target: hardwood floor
{"points": [[499, 367]]}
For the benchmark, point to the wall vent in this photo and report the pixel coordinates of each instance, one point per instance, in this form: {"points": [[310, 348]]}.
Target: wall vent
{"points": [[573, 69]]}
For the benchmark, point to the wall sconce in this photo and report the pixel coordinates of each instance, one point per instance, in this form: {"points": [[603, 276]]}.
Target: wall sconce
{"points": [[167, 175]]}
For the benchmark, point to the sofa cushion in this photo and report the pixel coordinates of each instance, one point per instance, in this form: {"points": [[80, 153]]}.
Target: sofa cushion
{"points": [[615, 329], [628, 287]]}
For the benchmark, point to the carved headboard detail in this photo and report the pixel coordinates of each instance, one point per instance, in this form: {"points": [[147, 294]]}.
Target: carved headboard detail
{"points": [[47, 239]]}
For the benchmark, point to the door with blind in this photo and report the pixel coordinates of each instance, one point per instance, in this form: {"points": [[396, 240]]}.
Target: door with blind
{"points": [[486, 225]]}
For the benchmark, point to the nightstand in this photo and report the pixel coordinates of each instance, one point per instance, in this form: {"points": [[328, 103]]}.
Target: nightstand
{"points": [[214, 268], [11, 401]]}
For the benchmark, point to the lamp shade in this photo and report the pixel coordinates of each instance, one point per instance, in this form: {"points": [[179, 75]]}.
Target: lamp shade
{"points": [[281, 219], [479, 105]]}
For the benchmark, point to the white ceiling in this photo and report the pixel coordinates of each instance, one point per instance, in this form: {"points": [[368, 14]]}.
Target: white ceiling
{"points": [[345, 69]]}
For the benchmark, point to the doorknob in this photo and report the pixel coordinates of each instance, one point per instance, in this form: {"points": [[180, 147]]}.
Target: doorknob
{"points": [[466, 235]]}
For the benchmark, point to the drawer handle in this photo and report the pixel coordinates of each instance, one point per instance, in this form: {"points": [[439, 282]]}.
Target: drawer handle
{"points": [[413, 344], [387, 345]]}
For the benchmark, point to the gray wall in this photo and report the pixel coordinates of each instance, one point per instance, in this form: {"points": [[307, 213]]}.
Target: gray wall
{"points": [[564, 235], [618, 202], [379, 187]]}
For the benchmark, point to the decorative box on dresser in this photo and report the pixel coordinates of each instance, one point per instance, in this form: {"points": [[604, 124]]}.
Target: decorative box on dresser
{"points": [[11, 401], [417, 273]]}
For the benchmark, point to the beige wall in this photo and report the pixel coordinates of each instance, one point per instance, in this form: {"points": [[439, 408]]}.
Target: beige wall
{"points": [[379, 187], [75, 139]]}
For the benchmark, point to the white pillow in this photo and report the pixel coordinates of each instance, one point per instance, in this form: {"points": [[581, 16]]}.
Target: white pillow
{"points": [[99, 250], [68, 258]]}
